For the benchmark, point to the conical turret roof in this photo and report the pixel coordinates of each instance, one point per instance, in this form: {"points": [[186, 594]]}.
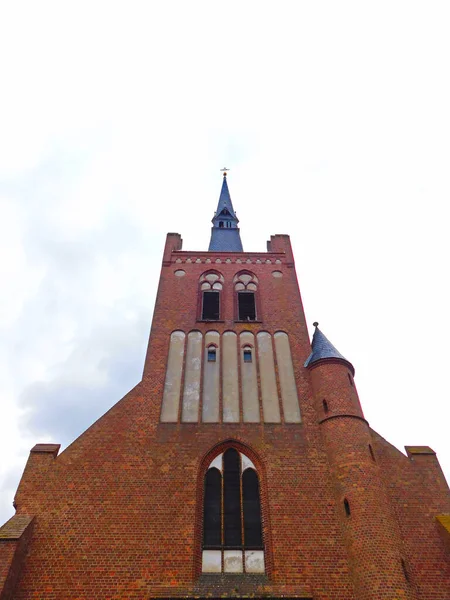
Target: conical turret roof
{"points": [[323, 349]]}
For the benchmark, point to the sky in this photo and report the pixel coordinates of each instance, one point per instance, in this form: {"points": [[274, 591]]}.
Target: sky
{"points": [[115, 120]]}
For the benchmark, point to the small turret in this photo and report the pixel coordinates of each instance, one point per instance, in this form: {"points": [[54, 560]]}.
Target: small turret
{"points": [[370, 532], [332, 378], [225, 236]]}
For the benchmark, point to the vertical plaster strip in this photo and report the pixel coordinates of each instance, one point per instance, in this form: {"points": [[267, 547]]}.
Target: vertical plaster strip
{"points": [[230, 384], [288, 387], [250, 402], [211, 380], [172, 384], [269, 393], [191, 393]]}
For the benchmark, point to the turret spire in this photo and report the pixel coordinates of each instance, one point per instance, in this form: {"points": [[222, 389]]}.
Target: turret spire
{"points": [[323, 349], [225, 235]]}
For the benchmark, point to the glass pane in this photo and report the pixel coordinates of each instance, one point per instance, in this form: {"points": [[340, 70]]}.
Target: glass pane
{"points": [[210, 309], [247, 307], [232, 498], [252, 510], [212, 509]]}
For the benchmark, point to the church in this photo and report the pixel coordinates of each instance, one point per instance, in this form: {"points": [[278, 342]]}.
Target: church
{"points": [[240, 466]]}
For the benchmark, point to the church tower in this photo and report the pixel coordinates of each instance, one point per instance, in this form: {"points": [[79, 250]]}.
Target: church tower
{"points": [[240, 466]]}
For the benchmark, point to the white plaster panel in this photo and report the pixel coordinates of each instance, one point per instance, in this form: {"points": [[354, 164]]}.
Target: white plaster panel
{"points": [[239, 286], [247, 463], [180, 273], [232, 561], [217, 462], [230, 386], [269, 393], [211, 381], [211, 561], [286, 375], [212, 277], [217, 286], [254, 561], [206, 286], [251, 286], [172, 384], [191, 392], [277, 274], [250, 401]]}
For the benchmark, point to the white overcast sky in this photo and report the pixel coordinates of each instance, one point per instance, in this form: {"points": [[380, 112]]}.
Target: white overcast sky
{"points": [[115, 118]]}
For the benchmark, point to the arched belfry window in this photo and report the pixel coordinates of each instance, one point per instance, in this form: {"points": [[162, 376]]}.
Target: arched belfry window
{"points": [[211, 285], [245, 286], [232, 527]]}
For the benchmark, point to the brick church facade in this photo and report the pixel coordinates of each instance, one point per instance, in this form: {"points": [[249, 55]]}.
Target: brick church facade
{"points": [[240, 466]]}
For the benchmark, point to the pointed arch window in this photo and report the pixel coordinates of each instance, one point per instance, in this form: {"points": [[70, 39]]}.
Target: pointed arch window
{"points": [[246, 286], [211, 285], [232, 526]]}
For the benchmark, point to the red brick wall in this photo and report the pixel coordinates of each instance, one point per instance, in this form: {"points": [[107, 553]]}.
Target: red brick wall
{"points": [[12, 557], [418, 493], [7, 551]]}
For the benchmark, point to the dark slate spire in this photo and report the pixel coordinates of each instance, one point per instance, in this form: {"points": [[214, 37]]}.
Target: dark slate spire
{"points": [[323, 349], [225, 235]]}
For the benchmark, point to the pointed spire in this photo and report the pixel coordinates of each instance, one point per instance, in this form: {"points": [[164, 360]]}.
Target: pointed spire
{"points": [[225, 199], [323, 349], [225, 235]]}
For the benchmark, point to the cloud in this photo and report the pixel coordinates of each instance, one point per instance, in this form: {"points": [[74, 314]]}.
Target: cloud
{"points": [[99, 371]]}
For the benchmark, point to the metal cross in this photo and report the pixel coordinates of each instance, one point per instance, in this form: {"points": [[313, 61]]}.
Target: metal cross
{"points": [[224, 171]]}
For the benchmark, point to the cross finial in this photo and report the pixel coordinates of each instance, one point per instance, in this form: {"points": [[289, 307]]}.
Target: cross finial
{"points": [[224, 171]]}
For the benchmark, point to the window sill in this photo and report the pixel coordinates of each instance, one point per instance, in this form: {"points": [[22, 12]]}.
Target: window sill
{"points": [[248, 322], [234, 547], [210, 321]]}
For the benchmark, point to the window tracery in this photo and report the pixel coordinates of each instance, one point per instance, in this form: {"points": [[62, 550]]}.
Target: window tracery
{"points": [[232, 526], [211, 285], [245, 286]]}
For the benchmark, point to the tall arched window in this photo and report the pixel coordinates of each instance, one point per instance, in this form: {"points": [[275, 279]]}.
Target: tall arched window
{"points": [[232, 527], [245, 286], [211, 284]]}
